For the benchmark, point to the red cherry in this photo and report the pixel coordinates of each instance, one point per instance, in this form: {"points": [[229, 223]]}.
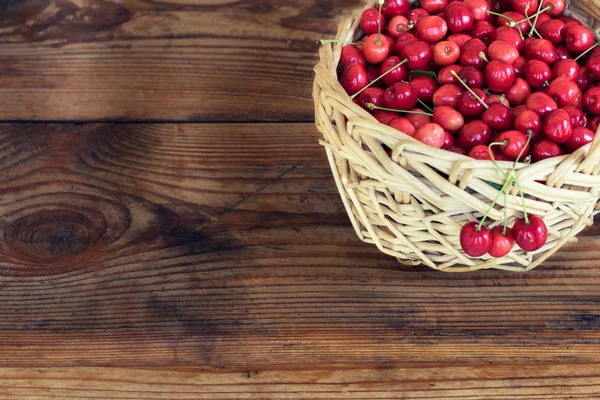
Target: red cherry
{"points": [[539, 49], [577, 117], [569, 20], [530, 236], [352, 54], [502, 51], [397, 26], [400, 96], [562, 53], [470, 54], [459, 38], [543, 17], [558, 6], [425, 86], [478, 8], [472, 77], [579, 138], [529, 123], [469, 106], [541, 103], [445, 75], [498, 98], [499, 76], [497, 117], [557, 126], [372, 95], [484, 31], [354, 78], [432, 135], [416, 14], [525, 7], [449, 141], [480, 152], [447, 95], [553, 30], [502, 243], [519, 66], [458, 17], [578, 39], [369, 21], [431, 28], [593, 124], [565, 92], [509, 35], [448, 118], [374, 72], [513, 16], [518, 110], [515, 142], [455, 149], [593, 65], [585, 79], [591, 100], [418, 120], [403, 40], [391, 8], [474, 242], [545, 149], [418, 53], [403, 125], [537, 73], [475, 133], [502, 5], [376, 49], [445, 53], [434, 6], [397, 75], [385, 117], [566, 69]]}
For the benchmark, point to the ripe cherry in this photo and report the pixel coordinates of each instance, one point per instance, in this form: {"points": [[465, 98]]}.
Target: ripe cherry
{"points": [[519, 66], [591, 100], [478, 8], [470, 106], [418, 54], [385, 117], [579, 138], [529, 123], [431, 29], [502, 5], [541, 103], [445, 53], [391, 8], [431, 134], [497, 117], [525, 7], [577, 116], [434, 6], [498, 98], [593, 65], [558, 6], [499, 76], [530, 235], [518, 93], [372, 95], [376, 48], [400, 96], [397, 75], [509, 35], [449, 141], [593, 124], [373, 73], [474, 133], [545, 149], [404, 39], [553, 30], [470, 54], [513, 144], [585, 79], [484, 31], [447, 95], [403, 125], [518, 110], [502, 51], [472, 77], [502, 242], [458, 17], [539, 49], [475, 241], [557, 126], [459, 38], [418, 120], [448, 118], [370, 20], [566, 69], [455, 149], [416, 14], [480, 152], [445, 75], [562, 53], [425, 86], [565, 92], [352, 54], [397, 26], [537, 73], [578, 39], [354, 78]]}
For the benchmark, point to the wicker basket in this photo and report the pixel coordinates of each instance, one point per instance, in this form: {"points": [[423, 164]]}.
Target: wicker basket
{"points": [[413, 205]]}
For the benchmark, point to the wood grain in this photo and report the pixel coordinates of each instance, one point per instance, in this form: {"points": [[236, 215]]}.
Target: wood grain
{"points": [[161, 60]]}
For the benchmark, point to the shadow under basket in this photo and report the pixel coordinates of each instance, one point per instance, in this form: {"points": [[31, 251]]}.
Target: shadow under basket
{"points": [[413, 204]]}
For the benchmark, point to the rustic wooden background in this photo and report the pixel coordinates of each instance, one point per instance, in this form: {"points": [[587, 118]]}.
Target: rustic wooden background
{"points": [[169, 229]]}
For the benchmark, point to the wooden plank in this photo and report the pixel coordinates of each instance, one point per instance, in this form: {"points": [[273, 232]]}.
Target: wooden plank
{"points": [[443, 382], [161, 60], [226, 246]]}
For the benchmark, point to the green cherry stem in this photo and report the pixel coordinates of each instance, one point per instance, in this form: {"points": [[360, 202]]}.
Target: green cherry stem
{"points": [[483, 57], [470, 90], [505, 211], [325, 41], [587, 51], [523, 200], [378, 43], [512, 24], [537, 14], [508, 181], [505, 143], [372, 106], [530, 24], [522, 151], [425, 106], [377, 79]]}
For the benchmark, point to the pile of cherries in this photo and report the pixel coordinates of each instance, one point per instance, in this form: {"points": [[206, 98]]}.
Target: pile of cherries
{"points": [[514, 80]]}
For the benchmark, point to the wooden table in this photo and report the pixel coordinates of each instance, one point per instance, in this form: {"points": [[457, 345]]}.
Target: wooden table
{"points": [[170, 229]]}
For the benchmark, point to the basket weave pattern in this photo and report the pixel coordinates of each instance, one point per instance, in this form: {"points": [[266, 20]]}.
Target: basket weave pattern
{"points": [[413, 205]]}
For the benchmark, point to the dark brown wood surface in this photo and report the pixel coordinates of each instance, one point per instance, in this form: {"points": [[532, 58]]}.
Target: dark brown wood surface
{"points": [[203, 260]]}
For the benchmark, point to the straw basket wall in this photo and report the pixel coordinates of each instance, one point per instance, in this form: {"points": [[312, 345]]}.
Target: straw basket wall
{"points": [[413, 205]]}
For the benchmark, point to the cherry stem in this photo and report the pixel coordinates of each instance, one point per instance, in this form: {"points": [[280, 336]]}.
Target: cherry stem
{"points": [[503, 144], [523, 200], [522, 151], [483, 57], [381, 76], [325, 41], [501, 98], [425, 106], [587, 51], [379, 23], [537, 14], [470, 90], [372, 106], [513, 23], [530, 24], [505, 211], [508, 181]]}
